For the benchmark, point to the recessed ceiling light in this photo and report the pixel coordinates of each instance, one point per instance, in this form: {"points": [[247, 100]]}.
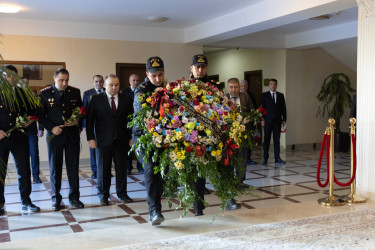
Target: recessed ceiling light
{"points": [[9, 9], [157, 19]]}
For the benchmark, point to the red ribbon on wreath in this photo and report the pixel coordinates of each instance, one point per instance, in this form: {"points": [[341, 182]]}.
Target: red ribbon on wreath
{"points": [[158, 100], [230, 150]]}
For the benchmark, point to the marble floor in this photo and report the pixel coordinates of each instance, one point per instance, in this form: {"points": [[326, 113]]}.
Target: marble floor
{"points": [[281, 192]]}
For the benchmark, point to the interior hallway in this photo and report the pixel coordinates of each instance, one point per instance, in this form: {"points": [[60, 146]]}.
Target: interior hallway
{"points": [[283, 192]]}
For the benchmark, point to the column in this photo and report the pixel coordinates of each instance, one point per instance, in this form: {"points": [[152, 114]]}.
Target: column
{"points": [[365, 182]]}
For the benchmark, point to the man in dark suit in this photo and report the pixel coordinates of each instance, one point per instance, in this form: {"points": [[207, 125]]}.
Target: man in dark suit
{"points": [[106, 128], [33, 133], [17, 143], [98, 82], [274, 103], [153, 182], [58, 101], [244, 85], [134, 83], [244, 102]]}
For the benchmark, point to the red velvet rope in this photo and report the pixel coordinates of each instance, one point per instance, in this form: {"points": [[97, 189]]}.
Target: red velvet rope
{"points": [[320, 162], [354, 166]]}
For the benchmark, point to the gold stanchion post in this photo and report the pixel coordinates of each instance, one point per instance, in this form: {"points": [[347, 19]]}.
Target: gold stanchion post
{"points": [[331, 200], [352, 197]]}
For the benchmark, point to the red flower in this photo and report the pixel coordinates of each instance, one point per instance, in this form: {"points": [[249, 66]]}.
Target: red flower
{"points": [[262, 110], [166, 145], [195, 102], [181, 108], [172, 85], [225, 112], [33, 117], [224, 127], [189, 149], [192, 80], [199, 97], [83, 110]]}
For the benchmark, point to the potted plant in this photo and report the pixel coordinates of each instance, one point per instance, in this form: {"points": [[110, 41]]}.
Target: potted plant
{"points": [[334, 97]]}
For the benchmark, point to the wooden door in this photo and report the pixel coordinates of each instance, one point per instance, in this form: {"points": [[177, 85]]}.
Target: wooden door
{"points": [[124, 70], [254, 78]]}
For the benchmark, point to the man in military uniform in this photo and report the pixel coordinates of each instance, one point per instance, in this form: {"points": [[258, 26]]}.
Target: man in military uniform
{"points": [[59, 101], [198, 69], [18, 144], [154, 182]]}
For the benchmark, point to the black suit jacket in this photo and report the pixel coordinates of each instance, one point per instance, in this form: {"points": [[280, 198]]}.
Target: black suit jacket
{"points": [[101, 123], [128, 91], [276, 112]]}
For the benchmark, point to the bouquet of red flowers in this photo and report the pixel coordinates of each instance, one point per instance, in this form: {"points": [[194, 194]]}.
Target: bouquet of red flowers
{"points": [[21, 121], [77, 113]]}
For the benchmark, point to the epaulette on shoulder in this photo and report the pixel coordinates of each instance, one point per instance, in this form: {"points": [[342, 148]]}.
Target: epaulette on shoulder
{"points": [[49, 87]]}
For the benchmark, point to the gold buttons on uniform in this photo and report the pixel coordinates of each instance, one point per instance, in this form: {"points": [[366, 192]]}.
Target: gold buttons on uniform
{"points": [[63, 105], [64, 111], [10, 114], [10, 124]]}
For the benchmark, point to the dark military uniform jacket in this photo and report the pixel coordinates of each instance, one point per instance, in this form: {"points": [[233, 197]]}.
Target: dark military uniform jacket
{"points": [[54, 107], [141, 93], [8, 116]]}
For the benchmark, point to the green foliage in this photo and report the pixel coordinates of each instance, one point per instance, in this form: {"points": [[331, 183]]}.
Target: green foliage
{"points": [[334, 97]]}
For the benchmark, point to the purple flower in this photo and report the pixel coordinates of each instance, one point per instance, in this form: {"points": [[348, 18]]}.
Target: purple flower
{"points": [[187, 137]]}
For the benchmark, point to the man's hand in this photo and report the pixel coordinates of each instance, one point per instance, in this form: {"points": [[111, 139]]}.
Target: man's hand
{"points": [[92, 143], [130, 142], [3, 134], [27, 124], [57, 129], [40, 133], [68, 123], [263, 122]]}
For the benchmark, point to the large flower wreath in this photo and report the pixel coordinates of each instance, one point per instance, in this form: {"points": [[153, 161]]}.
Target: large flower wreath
{"points": [[193, 129]]}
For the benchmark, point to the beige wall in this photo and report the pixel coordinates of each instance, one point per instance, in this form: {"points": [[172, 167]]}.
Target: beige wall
{"points": [[300, 74], [306, 71], [87, 57]]}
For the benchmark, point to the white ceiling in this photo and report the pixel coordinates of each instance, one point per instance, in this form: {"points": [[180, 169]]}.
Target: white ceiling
{"points": [[213, 23]]}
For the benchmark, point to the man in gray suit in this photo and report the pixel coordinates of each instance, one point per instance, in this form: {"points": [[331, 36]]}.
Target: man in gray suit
{"points": [[244, 102]]}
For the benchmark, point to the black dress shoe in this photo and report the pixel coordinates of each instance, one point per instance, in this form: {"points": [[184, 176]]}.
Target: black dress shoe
{"points": [[104, 202], [30, 208], [2, 210], [56, 206], [206, 190], [129, 172], [125, 198], [93, 176], [156, 218], [199, 213], [37, 180], [278, 160], [264, 163], [251, 162], [76, 203], [232, 205]]}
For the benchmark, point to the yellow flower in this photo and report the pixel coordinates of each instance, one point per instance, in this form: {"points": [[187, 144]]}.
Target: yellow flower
{"points": [[173, 121], [144, 105], [148, 99], [208, 132], [245, 136], [179, 165], [155, 134], [179, 135], [190, 125], [221, 145]]}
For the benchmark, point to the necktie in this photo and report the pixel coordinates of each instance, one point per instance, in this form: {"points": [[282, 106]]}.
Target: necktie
{"points": [[113, 106], [234, 99], [99, 91], [273, 97], [61, 93]]}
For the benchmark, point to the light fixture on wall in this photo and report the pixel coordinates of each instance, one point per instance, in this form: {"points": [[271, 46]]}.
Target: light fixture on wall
{"points": [[326, 16], [157, 19], [9, 8]]}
